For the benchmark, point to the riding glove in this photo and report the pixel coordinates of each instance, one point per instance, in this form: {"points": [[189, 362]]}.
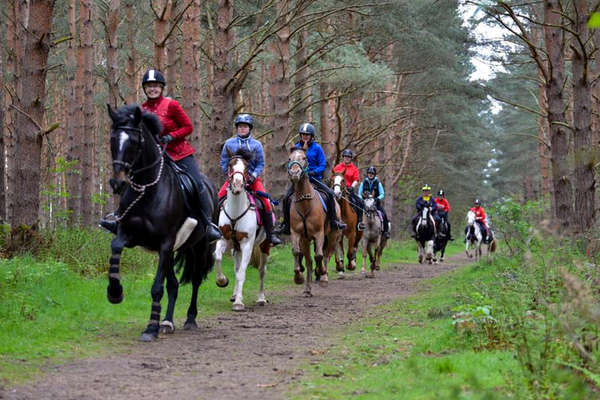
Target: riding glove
{"points": [[166, 139]]}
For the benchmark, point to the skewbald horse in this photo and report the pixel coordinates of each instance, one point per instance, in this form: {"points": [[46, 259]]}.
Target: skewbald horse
{"points": [[351, 232]]}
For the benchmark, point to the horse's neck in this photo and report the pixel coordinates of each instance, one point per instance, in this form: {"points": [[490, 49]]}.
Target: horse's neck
{"points": [[150, 155], [236, 204], [303, 186]]}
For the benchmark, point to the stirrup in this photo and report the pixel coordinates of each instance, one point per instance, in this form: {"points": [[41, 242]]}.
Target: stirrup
{"points": [[361, 226]]}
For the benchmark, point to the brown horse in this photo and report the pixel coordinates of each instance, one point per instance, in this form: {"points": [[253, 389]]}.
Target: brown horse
{"points": [[350, 217], [308, 223]]}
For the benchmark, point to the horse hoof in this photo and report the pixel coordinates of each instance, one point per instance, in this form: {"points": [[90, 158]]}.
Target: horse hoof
{"points": [[167, 327], [307, 294], [222, 282], [351, 267], [238, 307], [114, 296], [298, 278], [370, 275], [232, 298], [148, 337], [442, 259], [339, 267], [377, 268], [420, 259], [341, 275], [190, 325], [261, 303], [324, 281]]}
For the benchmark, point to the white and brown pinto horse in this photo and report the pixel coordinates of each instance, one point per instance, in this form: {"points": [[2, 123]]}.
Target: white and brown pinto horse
{"points": [[425, 235], [475, 241], [241, 233], [351, 232], [373, 238], [309, 223]]}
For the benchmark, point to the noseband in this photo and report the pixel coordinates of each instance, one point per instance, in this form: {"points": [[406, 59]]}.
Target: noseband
{"points": [[291, 163]]}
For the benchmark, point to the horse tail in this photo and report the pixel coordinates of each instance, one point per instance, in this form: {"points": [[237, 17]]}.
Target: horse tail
{"points": [[195, 262], [493, 246]]}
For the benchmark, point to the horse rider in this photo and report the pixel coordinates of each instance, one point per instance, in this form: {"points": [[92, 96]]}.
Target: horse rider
{"points": [[480, 218], [316, 167], [243, 139], [443, 209], [372, 185], [176, 127], [425, 200], [352, 179]]}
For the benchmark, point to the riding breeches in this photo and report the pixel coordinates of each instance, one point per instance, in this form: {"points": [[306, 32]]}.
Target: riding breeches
{"points": [[257, 186]]}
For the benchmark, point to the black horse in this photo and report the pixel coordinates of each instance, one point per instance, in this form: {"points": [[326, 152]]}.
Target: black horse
{"points": [[152, 208], [441, 240], [425, 236]]}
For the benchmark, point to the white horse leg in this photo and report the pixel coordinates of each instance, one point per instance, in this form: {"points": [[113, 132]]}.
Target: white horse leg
{"points": [[363, 270], [220, 249], [262, 269], [240, 273]]}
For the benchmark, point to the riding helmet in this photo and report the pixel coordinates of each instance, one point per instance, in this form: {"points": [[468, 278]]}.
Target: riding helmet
{"points": [[441, 192], [426, 187], [477, 202], [153, 75], [348, 153], [244, 119], [372, 170], [307, 129]]}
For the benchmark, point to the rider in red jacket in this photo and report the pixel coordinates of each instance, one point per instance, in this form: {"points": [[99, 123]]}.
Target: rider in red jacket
{"points": [[480, 216], [352, 178], [443, 208]]}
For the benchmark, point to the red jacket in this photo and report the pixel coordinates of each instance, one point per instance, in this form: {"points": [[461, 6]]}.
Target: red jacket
{"points": [[479, 214], [175, 123], [442, 204], [350, 171]]}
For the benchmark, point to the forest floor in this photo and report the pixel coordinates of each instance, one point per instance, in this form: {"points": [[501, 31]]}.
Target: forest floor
{"points": [[254, 354]]}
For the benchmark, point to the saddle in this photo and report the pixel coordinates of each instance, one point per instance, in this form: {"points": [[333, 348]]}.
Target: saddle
{"points": [[187, 184], [256, 204]]}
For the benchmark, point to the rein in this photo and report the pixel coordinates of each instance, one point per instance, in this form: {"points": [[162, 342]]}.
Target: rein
{"points": [[235, 220]]}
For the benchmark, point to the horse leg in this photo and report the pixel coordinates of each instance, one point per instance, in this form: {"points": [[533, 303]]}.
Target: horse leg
{"points": [[339, 256], [351, 253], [309, 267], [190, 322], [114, 291], [157, 291], [237, 258], [420, 250], [262, 269], [319, 242], [297, 252], [166, 326], [240, 274], [220, 249]]}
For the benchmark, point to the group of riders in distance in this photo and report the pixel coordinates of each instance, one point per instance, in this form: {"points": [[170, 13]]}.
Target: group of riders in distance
{"points": [[168, 206], [176, 126]]}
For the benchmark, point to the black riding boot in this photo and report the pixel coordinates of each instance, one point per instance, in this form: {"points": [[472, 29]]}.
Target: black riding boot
{"points": [[109, 225], [212, 231], [449, 230], [334, 222], [386, 226], [284, 228], [268, 223]]}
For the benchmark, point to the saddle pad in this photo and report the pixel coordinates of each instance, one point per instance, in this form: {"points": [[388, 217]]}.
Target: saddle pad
{"points": [[253, 202], [323, 202]]}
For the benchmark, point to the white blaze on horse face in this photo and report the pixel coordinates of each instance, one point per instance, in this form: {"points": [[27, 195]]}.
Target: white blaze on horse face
{"points": [[470, 218], [237, 178], [295, 170], [338, 181], [123, 137]]}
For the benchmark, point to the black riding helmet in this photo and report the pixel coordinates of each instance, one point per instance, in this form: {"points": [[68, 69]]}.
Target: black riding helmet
{"points": [[348, 153], [307, 129], [477, 202], [372, 170], [153, 75], [441, 193]]}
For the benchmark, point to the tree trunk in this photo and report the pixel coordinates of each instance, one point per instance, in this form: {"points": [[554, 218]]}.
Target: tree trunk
{"points": [[132, 55], [112, 61], [163, 10], [329, 126], [87, 86], [173, 46], [191, 94], [554, 42], [222, 91], [582, 121], [280, 104], [3, 84], [36, 22]]}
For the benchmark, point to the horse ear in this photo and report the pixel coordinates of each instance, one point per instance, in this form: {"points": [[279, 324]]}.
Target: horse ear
{"points": [[111, 112], [137, 115], [228, 150]]}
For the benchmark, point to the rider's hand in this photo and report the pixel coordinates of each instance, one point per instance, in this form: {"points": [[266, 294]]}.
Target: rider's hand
{"points": [[312, 173], [250, 180], [166, 139]]}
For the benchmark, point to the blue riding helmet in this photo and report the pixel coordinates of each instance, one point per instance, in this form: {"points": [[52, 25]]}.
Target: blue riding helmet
{"points": [[307, 129], [244, 119], [153, 75]]}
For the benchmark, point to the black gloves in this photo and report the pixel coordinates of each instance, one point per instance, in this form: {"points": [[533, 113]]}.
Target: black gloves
{"points": [[166, 139]]}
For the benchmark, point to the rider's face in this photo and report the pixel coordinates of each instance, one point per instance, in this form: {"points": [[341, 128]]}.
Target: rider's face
{"points": [[371, 176], [347, 159], [426, 193], [153, 90], [243, 129], [305, 137]]}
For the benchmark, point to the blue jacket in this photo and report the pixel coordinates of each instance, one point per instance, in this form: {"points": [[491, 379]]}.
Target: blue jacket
{"points": [[371, 185], [316, 160], [233, 144], [431, 203]]}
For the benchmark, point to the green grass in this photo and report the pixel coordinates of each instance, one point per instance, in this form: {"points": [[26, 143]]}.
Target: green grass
{"points": [[411, 351], [54, 306]]}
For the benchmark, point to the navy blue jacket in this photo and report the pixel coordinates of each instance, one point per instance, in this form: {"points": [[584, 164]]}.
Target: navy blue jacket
{"points": [[422, 203]]}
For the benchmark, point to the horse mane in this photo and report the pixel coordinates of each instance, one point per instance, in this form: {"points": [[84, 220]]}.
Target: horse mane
{"points": [[296, 147], [149, 120], [243, 153]]}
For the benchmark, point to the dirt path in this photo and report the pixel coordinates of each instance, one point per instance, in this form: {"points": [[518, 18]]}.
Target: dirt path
{"points": [[249, 355]]}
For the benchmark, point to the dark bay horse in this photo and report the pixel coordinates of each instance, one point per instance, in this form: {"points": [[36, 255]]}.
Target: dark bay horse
{"points": [[152, 208], [308, 223], [425, 235], [351, 232], [441, 241]]}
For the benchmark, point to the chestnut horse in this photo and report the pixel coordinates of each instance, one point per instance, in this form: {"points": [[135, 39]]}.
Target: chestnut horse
{"points": [[351, 232], [308, 223]]}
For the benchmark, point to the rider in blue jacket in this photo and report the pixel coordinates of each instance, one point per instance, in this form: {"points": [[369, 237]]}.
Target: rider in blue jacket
{"points": [[371, 184], [316, 167], [425, 200]]}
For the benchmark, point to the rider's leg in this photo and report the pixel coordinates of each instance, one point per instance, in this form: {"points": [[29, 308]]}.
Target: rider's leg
{"points": [[257, 186], [449, 228], [413, 233], [204, 210], [284, 228], [109, 225], [334, 222], [386, 222], [360, 205]]}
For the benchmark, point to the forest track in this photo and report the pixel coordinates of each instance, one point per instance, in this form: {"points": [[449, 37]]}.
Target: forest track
{"points": [[249, 355]]}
